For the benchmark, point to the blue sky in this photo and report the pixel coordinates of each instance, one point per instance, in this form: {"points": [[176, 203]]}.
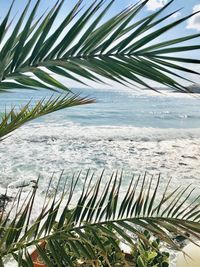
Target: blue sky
{"points": [[188, 6]]}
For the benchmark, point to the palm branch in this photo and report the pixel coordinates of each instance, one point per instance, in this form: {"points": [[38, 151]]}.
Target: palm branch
{"points": [[101, 206], [16, 117], [119, 49]]}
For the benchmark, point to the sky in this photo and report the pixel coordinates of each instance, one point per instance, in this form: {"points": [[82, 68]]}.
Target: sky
{"points": [[187, 7]]}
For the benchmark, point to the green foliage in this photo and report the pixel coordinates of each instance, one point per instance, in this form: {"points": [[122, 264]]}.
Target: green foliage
{"points": [[101, 208], [106, 250], [13, 119], [120, 49], [149, 254]]}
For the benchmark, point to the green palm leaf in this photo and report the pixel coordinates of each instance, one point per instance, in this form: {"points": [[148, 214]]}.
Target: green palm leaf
{"points": [[15, 118], [117, 49], [101, 207]]}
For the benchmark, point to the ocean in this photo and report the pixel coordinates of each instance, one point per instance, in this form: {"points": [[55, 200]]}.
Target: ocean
{"points": [[124, 129], [127, 130]]}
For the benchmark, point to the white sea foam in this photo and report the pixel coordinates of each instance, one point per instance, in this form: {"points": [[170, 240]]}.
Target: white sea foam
{"points": [[51, 147]]}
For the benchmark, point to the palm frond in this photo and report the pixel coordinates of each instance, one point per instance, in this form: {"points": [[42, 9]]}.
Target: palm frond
{"points": [[66, 220], [16, 117], [119, 49]]}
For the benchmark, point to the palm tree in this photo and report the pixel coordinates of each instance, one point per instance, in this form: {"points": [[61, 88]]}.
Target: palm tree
{"points": [[119, 50]]}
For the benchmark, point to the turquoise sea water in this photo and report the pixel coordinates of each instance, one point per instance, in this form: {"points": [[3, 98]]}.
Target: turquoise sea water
{"points": [[118, 107]]}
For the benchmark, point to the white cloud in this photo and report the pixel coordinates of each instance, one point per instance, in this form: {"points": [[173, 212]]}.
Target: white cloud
{"points": [[194, 22], [155, 4]]}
